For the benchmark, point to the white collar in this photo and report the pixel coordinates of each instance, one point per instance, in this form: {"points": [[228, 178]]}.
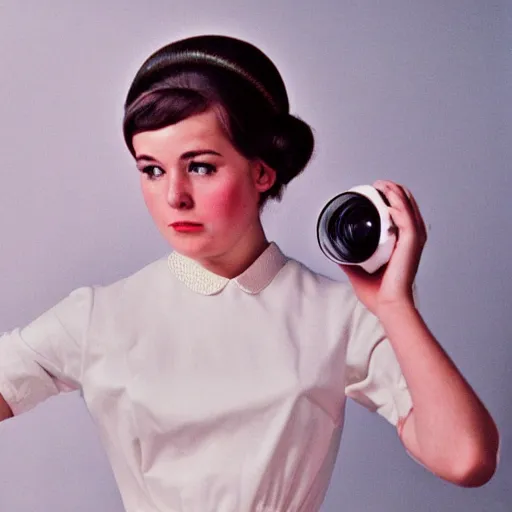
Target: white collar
{"points": [[253, 280]]}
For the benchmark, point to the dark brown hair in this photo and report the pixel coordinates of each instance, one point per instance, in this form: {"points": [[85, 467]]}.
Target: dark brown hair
{"points": [[240, 83]]}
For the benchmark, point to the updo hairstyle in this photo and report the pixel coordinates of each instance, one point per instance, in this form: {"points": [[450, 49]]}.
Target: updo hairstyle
{"points": [[240, 83]]}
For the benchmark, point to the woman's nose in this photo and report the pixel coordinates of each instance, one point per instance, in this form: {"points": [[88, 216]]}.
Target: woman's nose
{"points": [[178, 195]]}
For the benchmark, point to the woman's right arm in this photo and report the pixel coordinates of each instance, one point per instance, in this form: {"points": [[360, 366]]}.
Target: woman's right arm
{"points": [[44, 358], [5, 410]]}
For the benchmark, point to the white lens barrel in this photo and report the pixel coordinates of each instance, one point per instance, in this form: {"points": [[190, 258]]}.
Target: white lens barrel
{"points": [[387, 238]]}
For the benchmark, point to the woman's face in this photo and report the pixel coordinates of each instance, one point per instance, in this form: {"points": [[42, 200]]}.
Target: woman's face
{"points": [[191, 173]]}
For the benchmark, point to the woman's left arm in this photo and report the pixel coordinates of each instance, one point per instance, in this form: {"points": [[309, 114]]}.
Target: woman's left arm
{"points": [[448, 430]]}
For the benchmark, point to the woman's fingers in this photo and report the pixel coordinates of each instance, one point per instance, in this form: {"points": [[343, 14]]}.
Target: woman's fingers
{"points": [[402, 200], [400, 208], [419, 217]]}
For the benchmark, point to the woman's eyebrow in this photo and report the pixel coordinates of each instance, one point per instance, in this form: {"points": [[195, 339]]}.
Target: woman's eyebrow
{"points": [[192, 154], [145, 157], [185, 156]]}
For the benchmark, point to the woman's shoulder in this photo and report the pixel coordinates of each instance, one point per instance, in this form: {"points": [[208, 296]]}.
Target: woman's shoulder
{"points": [[140, 281], [299, 269], [305, 279]]}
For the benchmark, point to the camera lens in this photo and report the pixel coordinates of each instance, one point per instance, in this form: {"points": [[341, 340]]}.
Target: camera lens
{"points": [[352, 227]]}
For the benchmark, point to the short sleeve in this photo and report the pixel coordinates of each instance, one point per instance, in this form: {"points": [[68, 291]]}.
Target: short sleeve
{"points": [[45, 357], [373, 377]]}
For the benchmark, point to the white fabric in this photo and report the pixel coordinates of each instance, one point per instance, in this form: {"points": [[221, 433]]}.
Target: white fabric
{"points": [[210, 394]]}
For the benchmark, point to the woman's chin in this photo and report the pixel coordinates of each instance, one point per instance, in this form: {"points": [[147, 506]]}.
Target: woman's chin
{"points": [[194, 248]]}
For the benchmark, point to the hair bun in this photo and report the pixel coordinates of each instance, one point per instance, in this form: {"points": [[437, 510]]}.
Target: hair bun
{"points": [[289, 146]]}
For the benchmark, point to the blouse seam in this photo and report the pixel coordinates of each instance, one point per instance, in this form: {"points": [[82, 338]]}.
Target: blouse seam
{"points": [[135, 424], [352, 330], [85, 337]]}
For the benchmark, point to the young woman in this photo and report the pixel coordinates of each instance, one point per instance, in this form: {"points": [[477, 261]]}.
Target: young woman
{"points": [[218, 376]]}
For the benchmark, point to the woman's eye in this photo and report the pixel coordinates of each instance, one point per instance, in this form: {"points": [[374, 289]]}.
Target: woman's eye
{"points": [[201, 168], [152, 172]]}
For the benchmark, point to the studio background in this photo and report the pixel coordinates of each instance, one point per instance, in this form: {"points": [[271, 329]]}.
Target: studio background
{"points": [[415, 92]]}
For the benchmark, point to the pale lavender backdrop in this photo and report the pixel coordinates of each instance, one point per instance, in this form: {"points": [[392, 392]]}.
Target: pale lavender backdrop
{"points": [[417, 92]]}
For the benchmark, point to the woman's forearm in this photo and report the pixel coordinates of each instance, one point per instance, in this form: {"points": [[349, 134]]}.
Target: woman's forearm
{"points": [[449, 430]]}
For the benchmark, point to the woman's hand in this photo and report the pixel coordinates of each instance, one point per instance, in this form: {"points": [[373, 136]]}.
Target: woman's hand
{"points": [[393, 284]]}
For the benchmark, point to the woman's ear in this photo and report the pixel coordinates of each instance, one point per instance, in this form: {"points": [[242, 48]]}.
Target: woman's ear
{"points": [[264, 176]]}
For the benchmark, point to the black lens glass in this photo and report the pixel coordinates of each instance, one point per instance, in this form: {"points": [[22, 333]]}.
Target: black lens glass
{"points": [[354, 228]]}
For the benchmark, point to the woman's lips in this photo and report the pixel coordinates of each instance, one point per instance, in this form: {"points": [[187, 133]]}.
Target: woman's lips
{"points": [[186, 227]]}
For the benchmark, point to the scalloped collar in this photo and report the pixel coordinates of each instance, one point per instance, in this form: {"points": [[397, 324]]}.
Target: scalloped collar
{"points": [[253, 280]]}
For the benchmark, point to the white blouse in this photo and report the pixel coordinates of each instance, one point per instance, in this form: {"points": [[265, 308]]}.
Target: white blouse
{"points": [[212, 394]]}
